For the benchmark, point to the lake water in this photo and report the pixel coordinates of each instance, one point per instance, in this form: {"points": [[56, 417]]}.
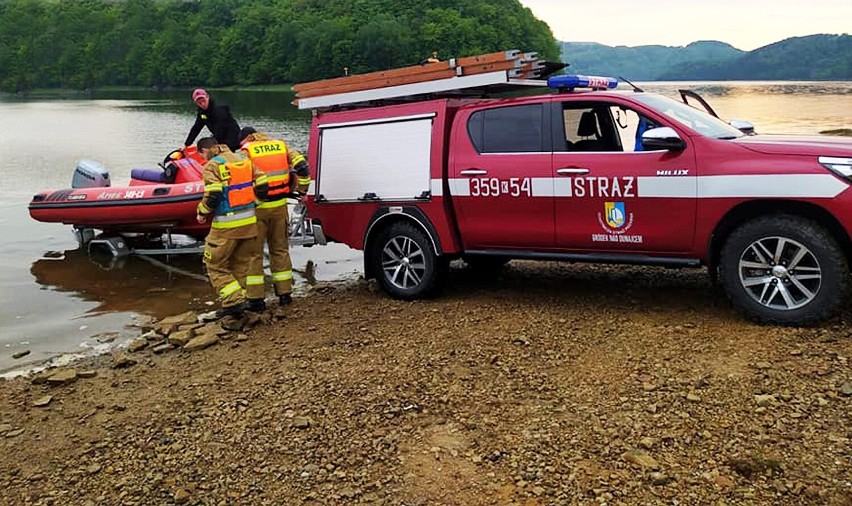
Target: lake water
{"points": [[56, 298]]}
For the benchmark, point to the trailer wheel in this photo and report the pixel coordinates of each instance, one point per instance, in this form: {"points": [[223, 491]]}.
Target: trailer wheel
{"points": [[784, 270], [406, 267]]}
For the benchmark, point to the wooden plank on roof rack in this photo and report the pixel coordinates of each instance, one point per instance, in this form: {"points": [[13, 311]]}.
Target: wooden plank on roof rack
{"points": [[378, 83], [382, 74], [452, 84], [490, 58], [467, 70], [346, 86]]}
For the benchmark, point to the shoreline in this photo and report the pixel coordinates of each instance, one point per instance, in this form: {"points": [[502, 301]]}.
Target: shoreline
{"points": [[532, 388]]}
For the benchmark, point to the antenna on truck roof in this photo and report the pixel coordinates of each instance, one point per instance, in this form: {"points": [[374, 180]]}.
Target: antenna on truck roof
{"points": [[487, 73], [635, 88]]}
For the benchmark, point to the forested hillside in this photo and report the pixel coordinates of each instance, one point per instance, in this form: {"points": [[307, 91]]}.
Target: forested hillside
{"points": [[820, 57], [87, 43], [813, 57], [641, 63]]}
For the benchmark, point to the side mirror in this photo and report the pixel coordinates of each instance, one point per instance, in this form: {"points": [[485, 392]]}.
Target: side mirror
{"points": [[743, 126], [662, 138]]}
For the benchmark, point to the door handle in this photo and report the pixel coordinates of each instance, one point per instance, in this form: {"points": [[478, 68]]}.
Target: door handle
{"points": [[568, 171], [473, 172]]}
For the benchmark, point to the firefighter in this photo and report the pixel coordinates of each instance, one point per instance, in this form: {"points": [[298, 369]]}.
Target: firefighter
{"points": [[287, 170], [232, 185]]}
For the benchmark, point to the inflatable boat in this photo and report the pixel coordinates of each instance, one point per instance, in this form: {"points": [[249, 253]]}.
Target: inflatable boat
{"points": [[155, 201]]}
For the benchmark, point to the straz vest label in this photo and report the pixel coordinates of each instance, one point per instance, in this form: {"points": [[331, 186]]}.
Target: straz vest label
{"points": [[270, 157], [267, 148]]}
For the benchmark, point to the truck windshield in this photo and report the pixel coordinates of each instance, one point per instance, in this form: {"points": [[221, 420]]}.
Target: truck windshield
{"points": [[695, 119]]}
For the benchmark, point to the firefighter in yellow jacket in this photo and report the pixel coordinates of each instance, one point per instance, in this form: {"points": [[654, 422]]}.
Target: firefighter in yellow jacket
{"points": [[231, 186], [286, 169]]}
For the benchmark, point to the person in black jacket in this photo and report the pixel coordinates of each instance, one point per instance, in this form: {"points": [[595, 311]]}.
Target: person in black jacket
{"points": [[217, 118]]}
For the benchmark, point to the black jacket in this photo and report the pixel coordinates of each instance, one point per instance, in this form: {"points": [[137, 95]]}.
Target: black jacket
{"points": [[217, 119]]}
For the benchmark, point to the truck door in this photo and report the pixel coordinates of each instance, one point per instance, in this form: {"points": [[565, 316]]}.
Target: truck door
{"points": [[500, 177], [611, 196]]}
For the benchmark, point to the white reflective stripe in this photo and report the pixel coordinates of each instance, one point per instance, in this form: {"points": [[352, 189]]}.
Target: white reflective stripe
{"points": [[562, 187], [667, 187], [542, 186], [436, 187], [770, 185], [460, 187], [705, 187]]}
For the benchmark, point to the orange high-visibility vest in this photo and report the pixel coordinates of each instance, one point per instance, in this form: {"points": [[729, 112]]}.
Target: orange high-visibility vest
{"points": [[236, 209], [270, 157]]}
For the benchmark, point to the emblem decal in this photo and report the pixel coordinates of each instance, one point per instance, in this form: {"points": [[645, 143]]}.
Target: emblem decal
{"points": [[614, 214], [616, 221]]}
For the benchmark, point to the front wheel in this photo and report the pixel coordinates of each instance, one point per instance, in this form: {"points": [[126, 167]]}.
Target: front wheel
{"points": [[405, 264], [784, 270]]}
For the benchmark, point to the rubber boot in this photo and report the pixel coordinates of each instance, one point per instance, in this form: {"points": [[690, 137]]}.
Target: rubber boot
{"points": [[256, 305]]}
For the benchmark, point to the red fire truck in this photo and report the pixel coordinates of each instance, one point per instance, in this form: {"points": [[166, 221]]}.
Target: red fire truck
{"points": [[581, 173]]}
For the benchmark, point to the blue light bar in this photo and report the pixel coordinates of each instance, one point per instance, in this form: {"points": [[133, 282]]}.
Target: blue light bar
{"points": [[596, 82]]}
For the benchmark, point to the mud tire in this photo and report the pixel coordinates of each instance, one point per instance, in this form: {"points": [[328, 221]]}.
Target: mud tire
{"points": [[405, 264], [822, 251]]}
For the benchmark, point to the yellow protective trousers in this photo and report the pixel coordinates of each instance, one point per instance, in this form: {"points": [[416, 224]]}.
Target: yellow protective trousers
{"points": [[227, 263], [273, 229]]}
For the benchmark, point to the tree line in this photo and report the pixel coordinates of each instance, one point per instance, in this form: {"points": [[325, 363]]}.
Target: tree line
{"points": [[83, 44]]}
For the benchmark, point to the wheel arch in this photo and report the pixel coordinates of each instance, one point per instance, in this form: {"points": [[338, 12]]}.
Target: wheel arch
{"points": [[387, 216], [753, 209]]}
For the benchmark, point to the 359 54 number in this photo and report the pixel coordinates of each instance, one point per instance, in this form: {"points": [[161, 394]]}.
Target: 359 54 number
{"points": [[493, 187]]}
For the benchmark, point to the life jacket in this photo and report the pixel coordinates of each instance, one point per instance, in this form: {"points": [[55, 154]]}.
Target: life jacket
{"points": [[270, 156], [191, 152], [236, 207]]}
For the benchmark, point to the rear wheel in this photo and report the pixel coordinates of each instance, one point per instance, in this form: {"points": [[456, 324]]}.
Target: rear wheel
{"points": [[406, 267], [784, 269]]}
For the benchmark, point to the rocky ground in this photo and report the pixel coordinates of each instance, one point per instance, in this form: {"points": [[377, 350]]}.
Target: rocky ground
{"points": [[552, 384]]}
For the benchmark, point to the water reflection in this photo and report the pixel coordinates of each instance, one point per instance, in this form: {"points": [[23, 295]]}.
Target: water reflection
{"points": [[124, 284]]}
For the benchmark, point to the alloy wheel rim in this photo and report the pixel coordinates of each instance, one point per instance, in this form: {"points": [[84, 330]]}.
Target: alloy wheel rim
{"points": [[780, 273], [403, 262]]}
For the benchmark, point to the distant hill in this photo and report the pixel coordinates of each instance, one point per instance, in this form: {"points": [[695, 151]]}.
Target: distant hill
{"points": [[815, 57], [819, 57], [642, 63]]}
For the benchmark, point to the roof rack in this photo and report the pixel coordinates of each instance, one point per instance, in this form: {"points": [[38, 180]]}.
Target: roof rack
{"points": [[483, 74]]}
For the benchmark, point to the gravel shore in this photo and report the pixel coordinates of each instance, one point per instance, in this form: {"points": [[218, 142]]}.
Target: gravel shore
{"points": [[550, 384]]}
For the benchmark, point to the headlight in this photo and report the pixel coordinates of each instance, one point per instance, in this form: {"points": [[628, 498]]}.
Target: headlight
{"points": [[840, 166]]}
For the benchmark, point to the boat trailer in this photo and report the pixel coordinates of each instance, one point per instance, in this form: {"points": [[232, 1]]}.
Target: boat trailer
{"points": [[302, 232]]}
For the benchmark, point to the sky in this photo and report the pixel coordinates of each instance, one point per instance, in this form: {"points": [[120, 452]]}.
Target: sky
{"points": [[744, 24]]}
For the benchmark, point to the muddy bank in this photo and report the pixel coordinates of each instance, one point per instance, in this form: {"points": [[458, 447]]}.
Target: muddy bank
{"points": [[551, 384], [90, 302]]}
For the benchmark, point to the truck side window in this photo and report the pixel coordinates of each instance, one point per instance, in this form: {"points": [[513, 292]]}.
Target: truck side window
{"points": [[630, 126], [602, 127], [515, 129]]}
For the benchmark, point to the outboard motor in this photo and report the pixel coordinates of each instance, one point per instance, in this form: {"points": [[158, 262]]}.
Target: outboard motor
{"points": [[90, 174]]}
